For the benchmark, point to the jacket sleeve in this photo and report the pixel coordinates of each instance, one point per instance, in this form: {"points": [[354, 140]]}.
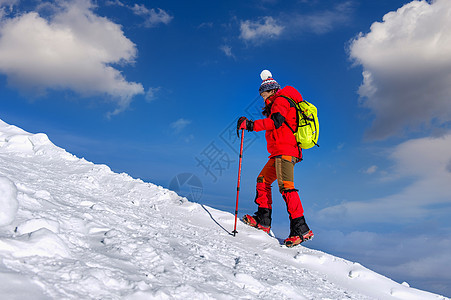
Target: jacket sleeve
{"points": [[277, 117]]}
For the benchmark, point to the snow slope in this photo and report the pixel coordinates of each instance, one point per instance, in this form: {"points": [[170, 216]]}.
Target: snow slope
{"points": [[70, 229]]}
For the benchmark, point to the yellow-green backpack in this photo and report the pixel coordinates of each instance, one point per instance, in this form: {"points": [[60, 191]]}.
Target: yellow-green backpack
{"points": [[307, 131]]}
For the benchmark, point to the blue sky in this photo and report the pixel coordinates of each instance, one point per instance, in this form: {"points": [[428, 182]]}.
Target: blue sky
{"points": [[153, 89]]}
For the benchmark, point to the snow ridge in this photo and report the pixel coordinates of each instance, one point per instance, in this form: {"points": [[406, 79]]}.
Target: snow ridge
{"points": [[70, 229]]}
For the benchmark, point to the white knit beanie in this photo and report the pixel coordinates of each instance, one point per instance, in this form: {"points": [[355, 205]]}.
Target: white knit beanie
{"points": [[268, 82]]}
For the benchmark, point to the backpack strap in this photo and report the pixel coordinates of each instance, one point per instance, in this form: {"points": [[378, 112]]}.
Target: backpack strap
{"points": [[292, 104]]}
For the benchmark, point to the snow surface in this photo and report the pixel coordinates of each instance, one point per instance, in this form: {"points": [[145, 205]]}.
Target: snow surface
{"points": [[71, 229], [8, 201]]}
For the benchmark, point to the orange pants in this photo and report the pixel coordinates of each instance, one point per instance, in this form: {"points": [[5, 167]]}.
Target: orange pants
{"points": [[282, 169]]}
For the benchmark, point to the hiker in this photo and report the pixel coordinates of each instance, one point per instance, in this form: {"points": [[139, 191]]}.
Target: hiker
{"points": [[284, 153]]}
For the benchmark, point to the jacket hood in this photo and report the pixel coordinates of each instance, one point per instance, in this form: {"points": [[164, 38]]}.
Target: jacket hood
{"points": [[287, 91], [290, 92]]}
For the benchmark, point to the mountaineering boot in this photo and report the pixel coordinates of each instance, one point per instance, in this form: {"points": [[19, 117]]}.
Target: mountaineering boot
{"points": [[251, 221], [296, 240], [299, 232], [260, 220]]}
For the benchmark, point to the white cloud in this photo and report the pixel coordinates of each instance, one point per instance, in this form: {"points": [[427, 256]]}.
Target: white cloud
{"points": [[292, 24], [261, 30], [431, 264], [114, 3], [72, 50], [7, 6], [406, 62], [371, 170], [8, 3], [416, 256], [153, 17], [227, 51], [151, 93], [323, 21], [180, 124], [425, 164], [205, 25]]}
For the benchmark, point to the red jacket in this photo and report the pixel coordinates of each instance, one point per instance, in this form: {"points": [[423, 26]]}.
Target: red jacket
{"points": [[279, 138]]}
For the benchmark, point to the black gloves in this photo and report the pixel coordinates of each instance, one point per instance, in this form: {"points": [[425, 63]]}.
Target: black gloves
{"points": [[244, 123]]}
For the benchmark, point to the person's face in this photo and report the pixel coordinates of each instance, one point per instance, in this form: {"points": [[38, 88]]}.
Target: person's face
{"points": [[267, 94]]}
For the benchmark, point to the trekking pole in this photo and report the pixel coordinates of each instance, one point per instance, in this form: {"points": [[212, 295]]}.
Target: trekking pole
{"points": [[239, 179]]}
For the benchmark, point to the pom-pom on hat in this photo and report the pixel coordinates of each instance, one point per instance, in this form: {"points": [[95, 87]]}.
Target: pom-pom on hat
{"points": [[268, 82]]}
